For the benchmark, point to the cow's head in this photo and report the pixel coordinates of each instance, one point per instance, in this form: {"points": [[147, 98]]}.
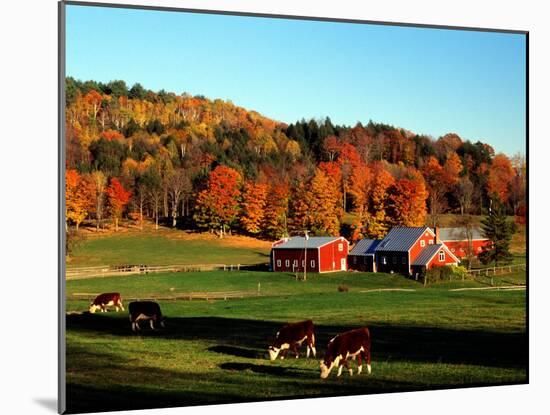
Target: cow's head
{"points": [[162, 322], [326, 366], [273, 352], [93, 308]]}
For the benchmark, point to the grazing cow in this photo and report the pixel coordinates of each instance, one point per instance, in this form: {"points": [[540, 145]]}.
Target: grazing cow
{"points": [[351, 344], [102, 301], [292, 336], [145, 310]]}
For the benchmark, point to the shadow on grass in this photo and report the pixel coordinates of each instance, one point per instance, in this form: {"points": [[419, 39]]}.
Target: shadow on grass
{"points": [[250, 339], [238, 352]]}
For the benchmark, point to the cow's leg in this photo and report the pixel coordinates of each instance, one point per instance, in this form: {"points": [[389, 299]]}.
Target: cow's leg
{"points": [[346, 364], [359, 363], [283, 353], [367, 352], [120, 305], [340, 367], [151, 324], [295, 350]]}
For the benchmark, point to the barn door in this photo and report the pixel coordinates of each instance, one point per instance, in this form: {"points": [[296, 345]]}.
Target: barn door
{"points": [[343, 264]]}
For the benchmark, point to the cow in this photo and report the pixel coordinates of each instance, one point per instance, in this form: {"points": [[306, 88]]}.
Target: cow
{"points": [[145, 310], [292, 336], [351, 344], [102, 301]]}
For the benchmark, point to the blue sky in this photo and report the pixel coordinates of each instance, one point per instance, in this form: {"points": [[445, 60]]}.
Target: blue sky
{"points": [[430, 81]]}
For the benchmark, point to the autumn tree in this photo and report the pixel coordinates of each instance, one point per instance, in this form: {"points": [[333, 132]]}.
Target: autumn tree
{"points": [[78, 197], [437, 183], [407, 200], [323, 198], [118, 197], [276, 211], [501, 175], [217, 206], [377, 223], [253, 206]]}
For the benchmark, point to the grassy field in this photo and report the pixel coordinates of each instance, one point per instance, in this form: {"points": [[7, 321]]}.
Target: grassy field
{"points": [[215, 351], [168, 247]]}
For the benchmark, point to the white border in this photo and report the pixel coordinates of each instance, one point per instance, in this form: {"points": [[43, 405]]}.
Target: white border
{"points": [[29, 203]]}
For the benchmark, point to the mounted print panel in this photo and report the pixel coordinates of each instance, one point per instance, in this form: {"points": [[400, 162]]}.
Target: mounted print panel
{"points": [[261, 207]]}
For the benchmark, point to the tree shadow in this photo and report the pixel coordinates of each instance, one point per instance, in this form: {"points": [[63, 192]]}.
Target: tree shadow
{"points": [[237, 352], [250, 339]]}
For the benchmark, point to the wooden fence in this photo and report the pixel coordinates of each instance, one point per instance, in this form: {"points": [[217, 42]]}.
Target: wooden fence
{"points": [[123, 270], [213, 295], [508, 269], [489, 274]]}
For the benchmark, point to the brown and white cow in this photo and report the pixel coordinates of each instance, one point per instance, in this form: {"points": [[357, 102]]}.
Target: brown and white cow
{"points": [[145, 310], [292, 336], [351, 344], [102, 301]]}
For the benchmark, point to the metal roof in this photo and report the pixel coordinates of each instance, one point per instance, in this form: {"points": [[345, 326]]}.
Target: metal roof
{"points": [[365, 247], [298, 242], [427, 254], [458, 234], [401, 238]]}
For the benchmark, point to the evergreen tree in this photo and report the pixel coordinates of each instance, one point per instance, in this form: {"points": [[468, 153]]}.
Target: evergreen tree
{"points": [[499, 231]]}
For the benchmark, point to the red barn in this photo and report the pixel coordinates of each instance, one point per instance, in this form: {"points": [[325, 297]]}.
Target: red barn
{"points": [[457, 241], [405, 250], [316, 253], [434, 255]]}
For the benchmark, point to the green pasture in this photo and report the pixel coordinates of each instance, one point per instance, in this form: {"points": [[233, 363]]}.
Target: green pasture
{"points": [[215, 351]]}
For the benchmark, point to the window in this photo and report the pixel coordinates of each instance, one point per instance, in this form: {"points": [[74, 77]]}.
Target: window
{"points": [[430, 242], [295, 263], [365, 260], [278, 262], [404, 260], [461, 249], [384, 260], [422, 243], [355, 260], [303, 262], [452, 250], [394, 260], [287, 263], [441, 256], [479, 249], [340, 247], [312, 264]]}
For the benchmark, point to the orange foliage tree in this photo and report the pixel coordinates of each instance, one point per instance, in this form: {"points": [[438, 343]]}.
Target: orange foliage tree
{"points": [[117, 197], [378, 223], [217, 206], [501, 175], [78, 197], [407, 200], [276, 211], [253, 206]]}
